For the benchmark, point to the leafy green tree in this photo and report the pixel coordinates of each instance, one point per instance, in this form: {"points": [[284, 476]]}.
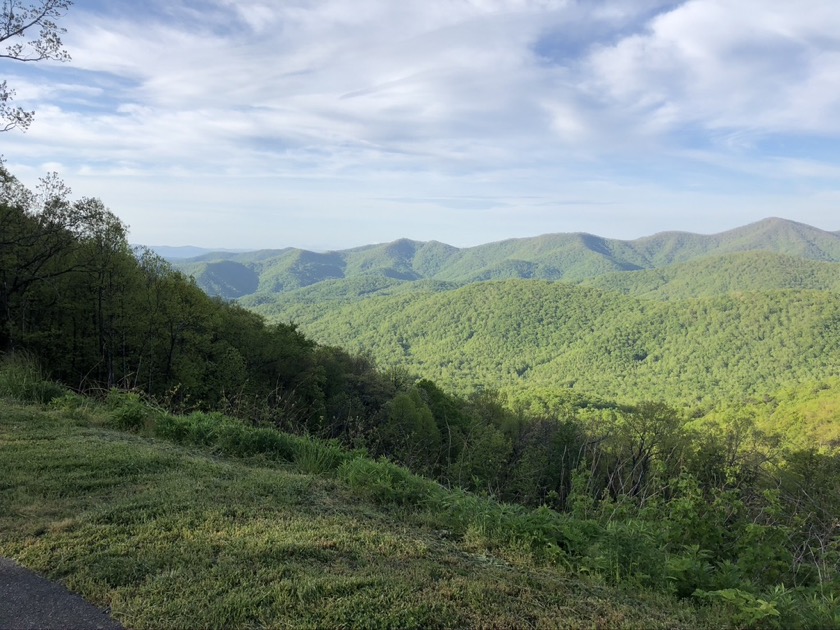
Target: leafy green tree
{"points": [[483, 460], [410, 432], [18, 21], [543, 462]]}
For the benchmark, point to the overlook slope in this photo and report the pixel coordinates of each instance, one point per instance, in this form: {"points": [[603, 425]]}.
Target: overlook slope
{"points": [[170, 537]]}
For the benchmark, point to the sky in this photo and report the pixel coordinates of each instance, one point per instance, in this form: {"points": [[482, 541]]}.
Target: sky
{"points": [[328, 124]]}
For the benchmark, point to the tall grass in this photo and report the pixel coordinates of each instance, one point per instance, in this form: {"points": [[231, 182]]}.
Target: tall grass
{"points": [[22, 379]]}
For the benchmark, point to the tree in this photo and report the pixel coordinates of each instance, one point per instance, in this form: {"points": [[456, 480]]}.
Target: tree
{"points": [[410, 433], [18, 20]]}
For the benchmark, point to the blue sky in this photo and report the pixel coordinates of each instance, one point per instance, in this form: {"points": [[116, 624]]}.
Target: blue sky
{"points": [[328, 124]]}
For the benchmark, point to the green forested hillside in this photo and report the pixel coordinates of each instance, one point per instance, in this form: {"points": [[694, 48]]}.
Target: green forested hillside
{"points": [[720, 275], [524, 334], [569, 257], [225, 278], [774, 234], [805, 414], [736, 325], [706, 277]]}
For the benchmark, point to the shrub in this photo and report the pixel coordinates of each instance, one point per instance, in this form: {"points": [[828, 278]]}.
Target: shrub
{"points": [[318, 457], [128, 411], [387, 483], [630, 551], [70, 402], [690, 570], [748, 610], [173, 428], [22, 379]]}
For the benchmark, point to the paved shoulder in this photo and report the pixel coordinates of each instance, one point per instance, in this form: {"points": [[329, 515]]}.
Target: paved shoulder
{"points": [[29, 602]]}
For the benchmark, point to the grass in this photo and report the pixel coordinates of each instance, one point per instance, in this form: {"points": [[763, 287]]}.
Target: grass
{"points": [[177, 535], [22, 379]]}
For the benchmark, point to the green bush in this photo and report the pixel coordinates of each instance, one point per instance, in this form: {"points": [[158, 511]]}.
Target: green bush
{"points": [[239, 440], [690, 570], [628, 551], [387, 483], [748, 610], [70, 402], [128, 411], [22, 379], [202, 428], [225, 435], [318, 457], [173, 428]]}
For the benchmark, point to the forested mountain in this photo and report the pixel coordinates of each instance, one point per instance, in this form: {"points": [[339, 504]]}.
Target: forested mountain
{"points": [[520, 334], [569, 257], [723, 274]]}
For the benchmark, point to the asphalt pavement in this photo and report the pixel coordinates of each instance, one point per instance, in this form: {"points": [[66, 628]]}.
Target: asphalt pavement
{"points": [[29, 602]]}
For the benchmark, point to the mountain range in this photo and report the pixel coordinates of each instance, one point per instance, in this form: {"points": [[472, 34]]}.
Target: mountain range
{"points": [[576, 257], [689, 317]]}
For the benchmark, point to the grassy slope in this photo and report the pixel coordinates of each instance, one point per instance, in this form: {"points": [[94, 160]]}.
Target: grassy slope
{"points": [[170, 537]]}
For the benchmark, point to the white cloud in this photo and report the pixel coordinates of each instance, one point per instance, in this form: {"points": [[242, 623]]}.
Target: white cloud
{"points": [[441, 98], [760, 66]]}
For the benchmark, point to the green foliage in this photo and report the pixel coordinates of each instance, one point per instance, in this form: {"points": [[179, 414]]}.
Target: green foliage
{"points": [[628, 551], [689, 570], [481, 462], [76, 297], [171, 537], [22, 379], [410, 432], [72, 404], [230, 437], [318, 457], [804, 415], [748, 272], [128, 410], [750, 611], [531, 336], [386, 483]]}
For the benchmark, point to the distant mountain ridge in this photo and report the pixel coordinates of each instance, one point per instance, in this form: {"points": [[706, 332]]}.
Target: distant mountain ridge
{"points": [[571, 257], [181, 252]]}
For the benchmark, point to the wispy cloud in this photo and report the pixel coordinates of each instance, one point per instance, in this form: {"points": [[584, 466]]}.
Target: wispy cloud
{"points": [[372, 107]]}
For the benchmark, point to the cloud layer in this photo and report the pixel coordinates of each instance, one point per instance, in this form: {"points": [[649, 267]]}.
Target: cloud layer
{"points": [[327, 123]]}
